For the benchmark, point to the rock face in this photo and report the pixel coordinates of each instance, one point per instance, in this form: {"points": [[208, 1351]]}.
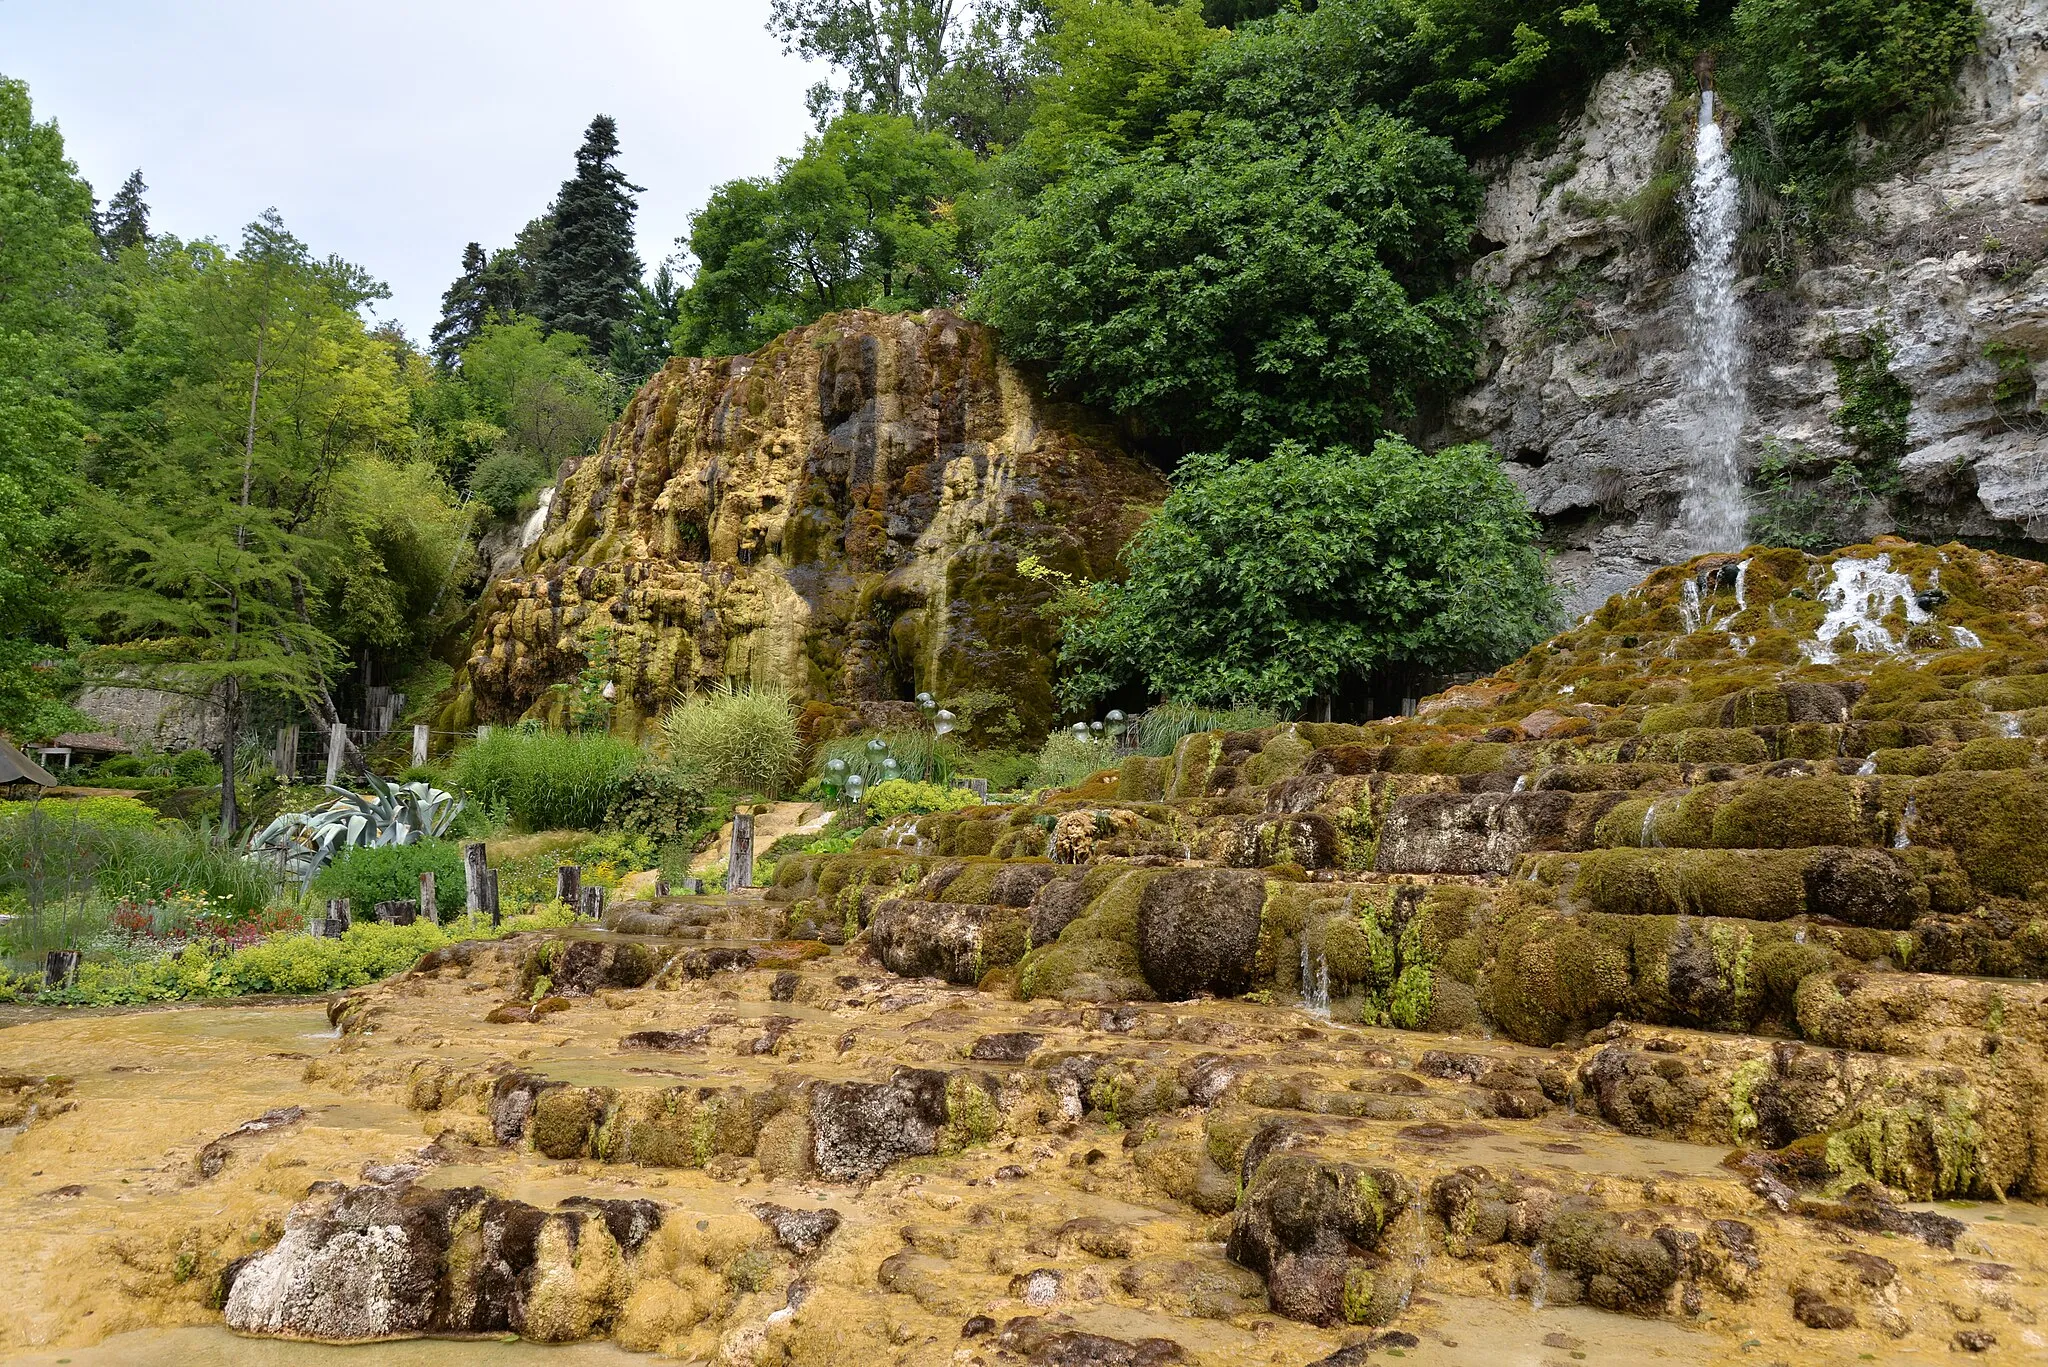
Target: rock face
{"points": [[840, 513], [1580, 391]]}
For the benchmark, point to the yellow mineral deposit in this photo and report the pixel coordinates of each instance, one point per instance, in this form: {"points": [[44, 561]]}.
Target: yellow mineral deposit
{"points": [[1598, 1013]]}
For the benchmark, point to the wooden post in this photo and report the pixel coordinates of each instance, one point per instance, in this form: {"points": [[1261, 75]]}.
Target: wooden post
{"points": [[337, 738], [491, 896], [419, 744], [60, 966], [568, 885], [475, 872], [337, 911], [977, 786], [288, 753], [739, 862], [591, 902], [397, 913], [430, 906], [661, 887]]}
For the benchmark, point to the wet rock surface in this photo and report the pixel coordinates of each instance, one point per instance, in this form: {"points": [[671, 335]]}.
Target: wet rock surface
{"points": [[1730, 1050]]}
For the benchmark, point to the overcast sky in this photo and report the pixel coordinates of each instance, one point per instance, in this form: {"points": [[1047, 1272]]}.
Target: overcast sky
{"points": [[394, 131]]}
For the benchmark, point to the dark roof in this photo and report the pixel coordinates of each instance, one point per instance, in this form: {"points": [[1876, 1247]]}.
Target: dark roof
{"points": [[94, 742], [15, 767]]}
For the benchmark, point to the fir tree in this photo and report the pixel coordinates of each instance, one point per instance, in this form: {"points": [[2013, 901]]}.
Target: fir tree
{"points": [[125, 223], [640, 343], [464, 308], [589, 270]]}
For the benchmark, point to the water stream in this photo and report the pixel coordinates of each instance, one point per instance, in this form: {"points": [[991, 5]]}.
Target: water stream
{"points": [[1712, 515]]}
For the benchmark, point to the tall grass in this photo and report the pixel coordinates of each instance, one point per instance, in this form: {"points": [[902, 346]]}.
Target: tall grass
{"points": [[64, 868], [545, 780], [1065, 759], [743, 739], [1168, 724], [921, 757]]}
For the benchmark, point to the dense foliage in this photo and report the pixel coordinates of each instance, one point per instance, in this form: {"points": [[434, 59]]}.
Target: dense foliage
{"points": [[545, 780], [367, 875], [1272, 581]]}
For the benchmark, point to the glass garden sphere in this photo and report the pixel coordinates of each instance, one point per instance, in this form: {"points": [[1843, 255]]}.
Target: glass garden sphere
{"points": [[877, 746], [1115, 715], [835, 766]]}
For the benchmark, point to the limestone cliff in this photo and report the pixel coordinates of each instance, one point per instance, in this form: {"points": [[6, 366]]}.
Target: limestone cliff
{"points": [[840, 513], [1580, 388]]}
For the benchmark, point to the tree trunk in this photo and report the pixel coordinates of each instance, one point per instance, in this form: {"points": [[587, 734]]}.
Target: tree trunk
{"points": [[231, 708]]}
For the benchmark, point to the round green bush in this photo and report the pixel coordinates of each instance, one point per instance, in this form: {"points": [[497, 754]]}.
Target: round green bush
{"points": [[502, 480]]}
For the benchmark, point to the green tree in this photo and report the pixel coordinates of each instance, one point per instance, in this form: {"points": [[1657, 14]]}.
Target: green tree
{"points": [[209, 550], [588, 269], [50, 344], [536, 393], [1116, 77], [1833, 85], [1263, 282], [640, 344], [891, 51], [865, 218], [125, 223], [465, 306], [984, 96], [1274, 581]]}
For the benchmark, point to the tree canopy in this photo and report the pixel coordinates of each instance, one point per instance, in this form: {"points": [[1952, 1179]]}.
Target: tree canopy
{"points": [[587, 272], [1270, 582]]}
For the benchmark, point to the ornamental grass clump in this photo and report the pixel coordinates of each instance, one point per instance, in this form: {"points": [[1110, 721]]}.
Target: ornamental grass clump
{"points": [[742, 739], [546, 780]]}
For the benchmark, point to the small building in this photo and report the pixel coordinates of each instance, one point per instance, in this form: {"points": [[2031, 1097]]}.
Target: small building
{"points": [[87, 746]]}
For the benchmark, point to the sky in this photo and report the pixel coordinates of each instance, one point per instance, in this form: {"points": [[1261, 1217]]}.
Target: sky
{"points": [[392, 132]]}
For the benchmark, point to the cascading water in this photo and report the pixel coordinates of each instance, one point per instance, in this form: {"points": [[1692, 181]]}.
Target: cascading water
{"points": [[1712, 516]]}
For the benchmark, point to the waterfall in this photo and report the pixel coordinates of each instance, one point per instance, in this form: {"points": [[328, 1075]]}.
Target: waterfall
{"points": [[1315, 980], [1712, 516]]}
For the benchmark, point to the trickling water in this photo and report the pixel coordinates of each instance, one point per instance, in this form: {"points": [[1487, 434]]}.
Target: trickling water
{"points": [[1902, 840], [1799, 936], [1690, 610], [1540, 1266], [1868, 767], [1712, 516], [1315, 982], [1966, 639], [1648, 840], [2008, 724], [1859, 596], [1522, 780]]}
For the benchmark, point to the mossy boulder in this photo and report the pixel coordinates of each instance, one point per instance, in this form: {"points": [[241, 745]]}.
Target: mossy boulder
{"points": [[1198, 931], [1312, 1229]]}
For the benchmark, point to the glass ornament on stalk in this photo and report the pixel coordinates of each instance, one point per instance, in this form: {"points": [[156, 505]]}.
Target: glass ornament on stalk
{"points": [[944, 720]]}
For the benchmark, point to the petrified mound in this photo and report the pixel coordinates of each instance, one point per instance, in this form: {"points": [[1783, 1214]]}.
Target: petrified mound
{"points": [[840, 513]]}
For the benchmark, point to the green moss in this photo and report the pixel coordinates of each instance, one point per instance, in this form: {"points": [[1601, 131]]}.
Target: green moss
{"points": [[972, 1116], [1749, 885], [1993, 753], [2014, 693], [1742, 1085], [1782, 813], [1142, 779], [1670, 720], [1709, 745], [1996, 824], [1910, 760]]}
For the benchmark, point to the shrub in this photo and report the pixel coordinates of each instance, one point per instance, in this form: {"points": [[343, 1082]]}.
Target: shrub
{"points": [[503, 479], [739, 738], [658, 802], [546, 779], [1273, 580], [103, 813], [1066, 759], [1004, 769], [367, 875], [896, 797]]}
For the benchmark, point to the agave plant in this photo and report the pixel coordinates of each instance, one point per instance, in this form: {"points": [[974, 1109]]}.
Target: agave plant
{"points": [[399, 814]]}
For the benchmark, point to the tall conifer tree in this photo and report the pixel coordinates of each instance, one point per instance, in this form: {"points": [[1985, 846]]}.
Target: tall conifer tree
{"points": [[464, 307], [589, 270], [126, 220]]}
